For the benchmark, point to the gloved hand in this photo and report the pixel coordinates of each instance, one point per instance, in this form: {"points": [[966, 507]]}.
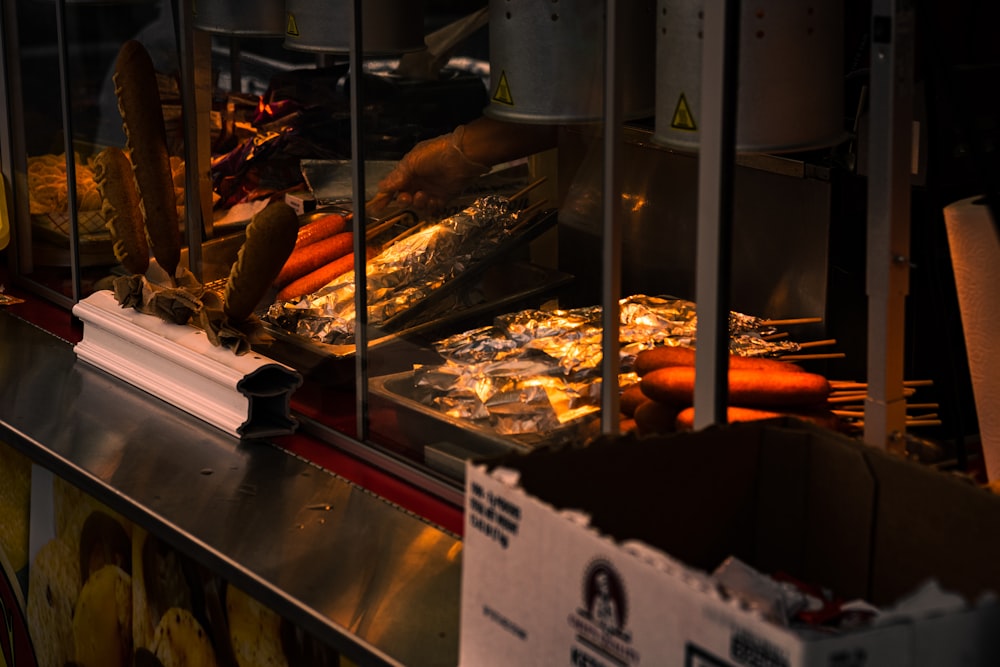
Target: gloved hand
{"points": [[432, 173]]}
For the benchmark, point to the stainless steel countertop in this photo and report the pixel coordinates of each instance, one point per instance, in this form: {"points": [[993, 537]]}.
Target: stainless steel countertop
{"points": [[373, 581]]}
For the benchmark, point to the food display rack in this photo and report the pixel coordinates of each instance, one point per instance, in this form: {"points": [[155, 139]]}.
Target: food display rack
{"points": [[162, 470]]}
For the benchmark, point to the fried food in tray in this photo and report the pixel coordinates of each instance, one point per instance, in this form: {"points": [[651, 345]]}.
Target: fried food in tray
{"points": [[409, 273], [533, 376]]}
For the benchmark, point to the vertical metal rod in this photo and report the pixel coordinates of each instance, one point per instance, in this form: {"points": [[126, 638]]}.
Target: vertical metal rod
{"points": [[890, 147], [193, 139], [717, 155], [611, 251], [67, 116], [356, 74], [13, 144], [6, 129]]}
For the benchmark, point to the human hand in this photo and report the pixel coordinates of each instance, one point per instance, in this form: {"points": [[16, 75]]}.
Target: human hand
{"points": [[431, 174]]}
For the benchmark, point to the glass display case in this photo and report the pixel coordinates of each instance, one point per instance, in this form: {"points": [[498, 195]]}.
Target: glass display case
{"points": [[483, 330]]}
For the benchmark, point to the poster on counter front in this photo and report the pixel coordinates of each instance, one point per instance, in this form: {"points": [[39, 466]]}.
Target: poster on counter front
{"points": [[94, 589]]}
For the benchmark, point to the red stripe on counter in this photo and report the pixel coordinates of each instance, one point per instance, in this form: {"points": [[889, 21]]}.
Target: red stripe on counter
{"points": [[61, 323], [394, 490], [45, 315]]}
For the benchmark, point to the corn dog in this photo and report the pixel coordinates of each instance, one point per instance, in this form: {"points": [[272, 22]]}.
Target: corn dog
{"points": [[270, 239], [747, 388], [146, 136], [664, 356], [120, 208]]}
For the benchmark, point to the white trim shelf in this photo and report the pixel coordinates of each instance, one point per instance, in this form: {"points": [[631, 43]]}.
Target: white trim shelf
{"points": [[247, 396]]}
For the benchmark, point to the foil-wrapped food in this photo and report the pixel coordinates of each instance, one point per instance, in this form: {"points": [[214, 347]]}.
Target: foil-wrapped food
{"points": [[538, 372], [402, 275]]}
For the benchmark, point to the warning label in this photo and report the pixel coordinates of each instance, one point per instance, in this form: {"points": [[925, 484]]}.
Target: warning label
{"points": [[683, 119], [502, 93], [291, 26]]}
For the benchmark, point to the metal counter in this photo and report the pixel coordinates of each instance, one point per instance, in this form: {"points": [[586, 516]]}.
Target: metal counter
{"points": [[376, 583]]}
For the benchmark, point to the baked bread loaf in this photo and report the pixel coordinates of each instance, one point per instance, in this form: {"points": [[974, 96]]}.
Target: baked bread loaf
{"points": [[15, 494], [53, 587], [146, 136], [121, 209], [180, 640], [102, 620], [254, 631]]}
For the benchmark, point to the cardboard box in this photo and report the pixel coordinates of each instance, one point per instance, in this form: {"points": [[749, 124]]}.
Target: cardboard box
{"points": [[648, 520]]}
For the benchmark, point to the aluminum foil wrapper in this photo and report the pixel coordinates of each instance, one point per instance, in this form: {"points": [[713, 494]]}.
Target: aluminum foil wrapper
{"points": [[402, 275], [536, 371]]}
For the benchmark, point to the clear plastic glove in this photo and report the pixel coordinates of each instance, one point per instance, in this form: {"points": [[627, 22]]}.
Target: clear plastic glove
{"points": [[431, 174]]}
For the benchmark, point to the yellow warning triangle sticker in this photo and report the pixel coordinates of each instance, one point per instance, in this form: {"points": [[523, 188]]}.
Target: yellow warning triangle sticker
{"points": [[291, 27], [683, 120], [502, 93]]}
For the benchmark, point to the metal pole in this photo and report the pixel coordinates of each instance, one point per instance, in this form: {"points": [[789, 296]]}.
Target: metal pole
{"points": [[67, 116], [195, 59], [717, 155], [611, 251], [356, 74], [890, 138]]}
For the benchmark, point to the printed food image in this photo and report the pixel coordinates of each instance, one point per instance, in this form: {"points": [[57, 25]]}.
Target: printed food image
{"points": [[102, 619], [53, 588], [104, 592], [180, 640], [15, 489], [254, 631]]}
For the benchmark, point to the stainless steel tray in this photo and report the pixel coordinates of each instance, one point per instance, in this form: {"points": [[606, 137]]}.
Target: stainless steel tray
{"points": [[501, 287], [420, 425]]}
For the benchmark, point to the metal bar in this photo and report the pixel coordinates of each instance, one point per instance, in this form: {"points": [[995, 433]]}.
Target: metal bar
{"points": [[890, 136], [356, 76], [717, 155], [67, 115], [13, 149], [611, 250], [197, 152], [6, 135]]}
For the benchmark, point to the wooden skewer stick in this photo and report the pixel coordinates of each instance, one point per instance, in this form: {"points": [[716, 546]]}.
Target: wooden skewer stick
{"points": [[848, 384], [407, 232], [909, 422], [847, 398], [922, 406], [526, 189], [776, 336], [526, 214], [857, 396], [375, 229], [860, 415], [782, 323], [809, 357], [844, 393], [923, 422], [818, 343]]}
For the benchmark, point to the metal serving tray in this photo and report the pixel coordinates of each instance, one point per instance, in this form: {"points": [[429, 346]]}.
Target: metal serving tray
{"points": [[502, 287], [448, 441]]}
